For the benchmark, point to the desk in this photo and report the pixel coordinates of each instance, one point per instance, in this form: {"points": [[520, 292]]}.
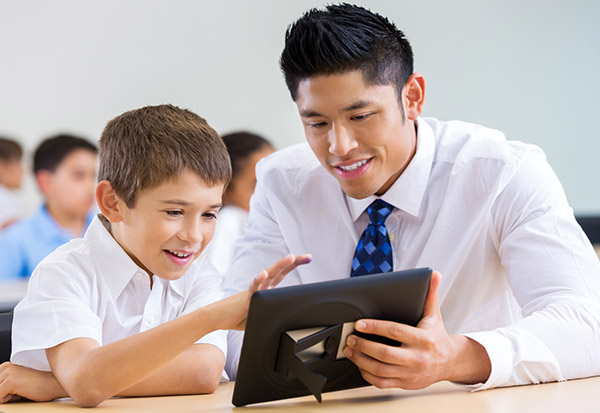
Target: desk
{"points": [[572, 396], [11, 293]]}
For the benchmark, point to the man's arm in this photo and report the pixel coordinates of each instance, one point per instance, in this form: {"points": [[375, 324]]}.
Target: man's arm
{"points": [[554, 276]]}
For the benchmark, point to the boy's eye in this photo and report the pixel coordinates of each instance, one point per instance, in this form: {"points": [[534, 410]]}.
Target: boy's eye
{"points": [[174, 213]]}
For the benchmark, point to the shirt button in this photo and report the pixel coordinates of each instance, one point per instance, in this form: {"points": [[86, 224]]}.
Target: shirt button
{"points": [[151, 319]]}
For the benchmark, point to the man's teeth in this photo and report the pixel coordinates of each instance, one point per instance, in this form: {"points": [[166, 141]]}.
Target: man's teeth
{"points": [[353, 166], [180, 254]]}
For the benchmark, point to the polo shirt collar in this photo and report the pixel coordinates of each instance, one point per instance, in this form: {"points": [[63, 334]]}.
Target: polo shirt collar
{"points": [[408, 191], [45, 224]]}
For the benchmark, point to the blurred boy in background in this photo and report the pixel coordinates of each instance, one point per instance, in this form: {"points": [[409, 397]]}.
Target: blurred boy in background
{"points": [[11, 174], [65, 172]]}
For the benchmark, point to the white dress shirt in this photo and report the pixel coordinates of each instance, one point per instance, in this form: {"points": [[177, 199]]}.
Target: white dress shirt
{"points": [[230, 226], [91, 288], [518, 274]]}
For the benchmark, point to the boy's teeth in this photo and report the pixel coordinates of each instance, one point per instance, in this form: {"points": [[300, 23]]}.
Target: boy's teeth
{"points": [[353, 166], [180, 254]]}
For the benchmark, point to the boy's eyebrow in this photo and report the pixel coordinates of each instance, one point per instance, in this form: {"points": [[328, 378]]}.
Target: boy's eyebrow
{"points": [[186, 203], [356, 105]]}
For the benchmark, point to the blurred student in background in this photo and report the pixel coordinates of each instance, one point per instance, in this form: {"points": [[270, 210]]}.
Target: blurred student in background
{"points": [[11, 174], [245, 150], [65, 172]]}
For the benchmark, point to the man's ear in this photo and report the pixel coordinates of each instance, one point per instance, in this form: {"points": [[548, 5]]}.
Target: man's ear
{"points": [[43, 178], [108, 201], [414, 96]]}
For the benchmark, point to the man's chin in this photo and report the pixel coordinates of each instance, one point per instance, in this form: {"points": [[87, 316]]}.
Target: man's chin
{"points": [[358, 193]]}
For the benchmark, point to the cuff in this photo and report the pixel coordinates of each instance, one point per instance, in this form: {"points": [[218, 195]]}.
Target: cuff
{"points": [[499, 350]]}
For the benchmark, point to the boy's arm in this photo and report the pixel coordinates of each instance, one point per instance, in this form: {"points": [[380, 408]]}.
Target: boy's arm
{"points": [[91, 373], [197, 370]]}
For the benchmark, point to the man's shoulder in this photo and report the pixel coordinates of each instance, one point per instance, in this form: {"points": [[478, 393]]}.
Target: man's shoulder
{"points": [[298, 156], [461, 143], [296, 164]]}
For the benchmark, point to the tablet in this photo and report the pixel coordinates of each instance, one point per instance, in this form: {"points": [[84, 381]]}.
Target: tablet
{"points": [[295, 335]]}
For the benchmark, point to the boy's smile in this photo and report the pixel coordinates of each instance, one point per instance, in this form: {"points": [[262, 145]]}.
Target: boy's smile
{"points": [[170, 224]]}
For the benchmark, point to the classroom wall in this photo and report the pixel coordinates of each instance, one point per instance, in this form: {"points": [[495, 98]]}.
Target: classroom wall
{"points": [[528, 68]]}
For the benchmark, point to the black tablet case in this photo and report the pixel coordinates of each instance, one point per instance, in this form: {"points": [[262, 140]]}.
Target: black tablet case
{"points": [[268, 369]]}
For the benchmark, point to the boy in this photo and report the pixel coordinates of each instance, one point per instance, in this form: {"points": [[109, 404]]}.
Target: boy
{"points": [[65, 172], [85, 328], [11, 173]]}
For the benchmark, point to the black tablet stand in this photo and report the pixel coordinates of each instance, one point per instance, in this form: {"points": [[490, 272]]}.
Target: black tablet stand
{"points": [[290, 365]]}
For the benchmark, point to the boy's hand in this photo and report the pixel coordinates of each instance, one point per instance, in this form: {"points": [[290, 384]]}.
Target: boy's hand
{"points": [[233, 311], [276, 272], [18, 382]]}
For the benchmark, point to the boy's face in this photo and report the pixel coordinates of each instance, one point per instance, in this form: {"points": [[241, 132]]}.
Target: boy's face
{"points": [[11, 173], [357, 131], [170, 224], [70, 188]]}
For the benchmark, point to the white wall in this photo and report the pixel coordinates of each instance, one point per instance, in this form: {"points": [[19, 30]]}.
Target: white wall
{"points": [[528, 68]]}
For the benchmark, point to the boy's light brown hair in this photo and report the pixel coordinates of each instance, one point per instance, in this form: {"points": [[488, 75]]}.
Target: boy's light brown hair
{"points": [[142, 148]]}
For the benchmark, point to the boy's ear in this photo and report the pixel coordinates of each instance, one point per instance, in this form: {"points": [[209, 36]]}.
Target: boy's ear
{"points": [[108, 201], [44, 181]]}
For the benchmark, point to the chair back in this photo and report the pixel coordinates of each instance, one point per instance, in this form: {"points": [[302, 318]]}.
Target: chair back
{"points": [[5, 329]]}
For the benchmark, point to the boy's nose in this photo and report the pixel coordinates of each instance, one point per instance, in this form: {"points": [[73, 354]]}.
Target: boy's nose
{"points": [[192, 232]]}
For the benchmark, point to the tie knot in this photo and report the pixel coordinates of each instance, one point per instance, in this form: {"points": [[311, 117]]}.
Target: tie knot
{"points": [[378, 211]]}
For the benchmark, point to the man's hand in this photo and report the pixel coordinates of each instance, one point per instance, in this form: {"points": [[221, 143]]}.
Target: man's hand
{"points": [[18, 382], [428, 353], [233, 311]]}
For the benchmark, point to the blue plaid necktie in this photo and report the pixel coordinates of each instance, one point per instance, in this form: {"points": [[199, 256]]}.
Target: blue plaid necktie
{"points": [[374, 251]]}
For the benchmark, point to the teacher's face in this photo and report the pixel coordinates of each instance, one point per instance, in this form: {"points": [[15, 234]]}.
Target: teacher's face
{"points": [[359, 132]]}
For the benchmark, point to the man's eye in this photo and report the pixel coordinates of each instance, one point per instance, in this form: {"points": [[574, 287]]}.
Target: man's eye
{"points": [[361, 117], [317, 124], [210, 215], [175, 213]]}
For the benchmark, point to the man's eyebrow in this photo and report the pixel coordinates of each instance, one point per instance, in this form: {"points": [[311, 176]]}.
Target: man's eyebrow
{"points": [[356, 105], [309, 114]]}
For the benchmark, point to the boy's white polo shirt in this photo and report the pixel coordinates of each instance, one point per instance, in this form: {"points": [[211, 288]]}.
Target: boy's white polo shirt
{"points": [[91, 288]]}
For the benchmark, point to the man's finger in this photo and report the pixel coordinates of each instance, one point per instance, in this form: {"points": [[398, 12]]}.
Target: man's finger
{"points": [[390, 329], [371, 365]]}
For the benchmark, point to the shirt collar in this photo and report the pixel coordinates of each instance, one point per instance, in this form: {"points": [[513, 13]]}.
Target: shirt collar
{"points": [[409, 189], [113, 263]]}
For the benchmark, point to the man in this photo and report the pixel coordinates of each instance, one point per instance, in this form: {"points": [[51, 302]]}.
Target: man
{"points": [[518, 302]]}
